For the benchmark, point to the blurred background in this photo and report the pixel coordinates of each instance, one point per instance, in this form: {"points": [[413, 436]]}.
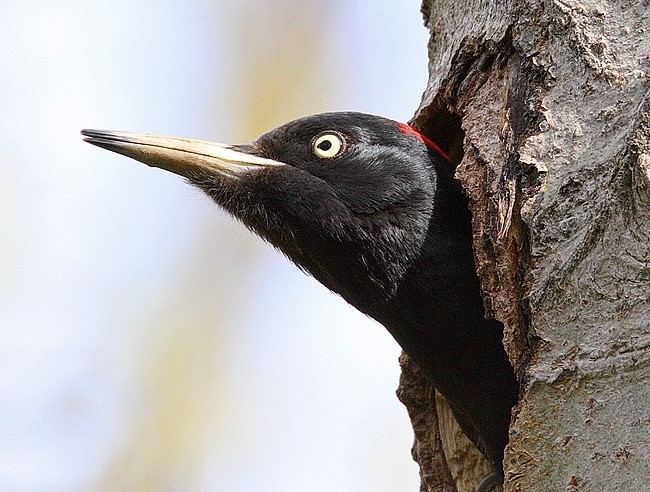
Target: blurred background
{"points": [[148, 341]]}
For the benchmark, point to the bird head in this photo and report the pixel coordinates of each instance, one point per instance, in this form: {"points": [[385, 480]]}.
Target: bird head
{"points": [[348, 197]]}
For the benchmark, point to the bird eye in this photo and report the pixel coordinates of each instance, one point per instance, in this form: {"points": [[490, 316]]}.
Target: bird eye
{"points": [[328, 145]]}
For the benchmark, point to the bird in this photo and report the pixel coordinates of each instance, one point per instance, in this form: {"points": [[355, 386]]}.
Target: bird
{"points": [[371, 209]]}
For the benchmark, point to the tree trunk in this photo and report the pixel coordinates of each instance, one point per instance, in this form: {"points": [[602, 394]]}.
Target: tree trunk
{"points": [[544, 104]]}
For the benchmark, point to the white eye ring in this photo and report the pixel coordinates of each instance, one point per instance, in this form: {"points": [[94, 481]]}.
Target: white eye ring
{"points": [[328, 145]]}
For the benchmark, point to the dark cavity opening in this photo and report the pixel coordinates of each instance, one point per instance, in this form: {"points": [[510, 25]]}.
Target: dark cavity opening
{"points": [[444, 128]]}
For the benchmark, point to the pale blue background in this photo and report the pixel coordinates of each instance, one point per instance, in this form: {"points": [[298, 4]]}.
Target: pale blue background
{"points": [[148, 342]]}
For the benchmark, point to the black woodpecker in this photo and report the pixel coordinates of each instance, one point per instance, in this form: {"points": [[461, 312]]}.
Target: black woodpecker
{"points": [[370, 208]]}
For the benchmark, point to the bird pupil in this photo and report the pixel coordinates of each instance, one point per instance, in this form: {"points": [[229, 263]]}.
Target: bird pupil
{"points": [[325, 145]]}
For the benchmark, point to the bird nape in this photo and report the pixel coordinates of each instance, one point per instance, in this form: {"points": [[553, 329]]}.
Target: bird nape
{"points": [[371, 209]]}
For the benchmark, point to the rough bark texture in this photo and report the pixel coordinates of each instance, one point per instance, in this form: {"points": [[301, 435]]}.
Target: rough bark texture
{"points": [[544, 104], [418, 395]]}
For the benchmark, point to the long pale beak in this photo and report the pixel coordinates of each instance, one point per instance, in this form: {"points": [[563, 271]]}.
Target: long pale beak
{"points": [[181, 156]]}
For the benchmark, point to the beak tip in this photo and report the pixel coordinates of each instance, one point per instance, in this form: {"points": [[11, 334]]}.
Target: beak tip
{"points": [[91, 136], [86, 132]]}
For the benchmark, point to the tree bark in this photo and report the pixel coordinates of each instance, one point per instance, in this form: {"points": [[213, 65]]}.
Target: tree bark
{"points": [[544, 105]]}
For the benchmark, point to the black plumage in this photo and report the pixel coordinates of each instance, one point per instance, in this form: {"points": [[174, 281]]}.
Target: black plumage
{"points": [[371, 209]]}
